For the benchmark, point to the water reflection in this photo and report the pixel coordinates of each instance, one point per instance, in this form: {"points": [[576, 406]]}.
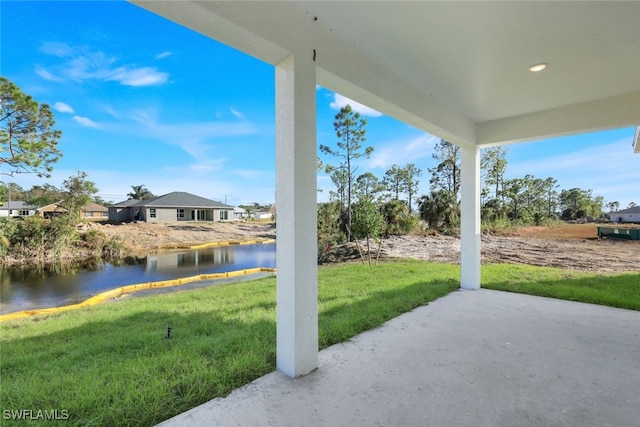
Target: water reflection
{"points": [[23, 288]]}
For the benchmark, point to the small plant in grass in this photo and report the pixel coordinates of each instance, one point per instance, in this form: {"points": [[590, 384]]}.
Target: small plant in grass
{"points": [[367, 223]]}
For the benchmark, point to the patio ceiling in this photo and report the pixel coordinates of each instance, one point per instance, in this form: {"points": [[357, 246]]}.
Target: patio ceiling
{"points": [[456, 69]]}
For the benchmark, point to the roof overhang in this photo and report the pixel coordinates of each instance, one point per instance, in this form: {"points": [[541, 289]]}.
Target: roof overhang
{"points": [[456, 69]]}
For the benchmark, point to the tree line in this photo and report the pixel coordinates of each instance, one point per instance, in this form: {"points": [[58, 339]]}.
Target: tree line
{"points": [[364, 206]]}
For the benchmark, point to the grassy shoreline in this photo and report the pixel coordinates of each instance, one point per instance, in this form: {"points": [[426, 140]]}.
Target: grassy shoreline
{"points": [[111, 364]]}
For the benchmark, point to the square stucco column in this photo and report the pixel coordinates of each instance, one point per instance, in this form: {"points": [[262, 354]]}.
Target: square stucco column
{"points": [[470, 219], [296, 186]]}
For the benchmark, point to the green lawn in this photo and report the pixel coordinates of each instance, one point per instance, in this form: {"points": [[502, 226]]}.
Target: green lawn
{"points": [[111, 365], [620, 290]]}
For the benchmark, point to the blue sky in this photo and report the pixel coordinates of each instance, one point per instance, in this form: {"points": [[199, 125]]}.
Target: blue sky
{"points": [[141, 100]]}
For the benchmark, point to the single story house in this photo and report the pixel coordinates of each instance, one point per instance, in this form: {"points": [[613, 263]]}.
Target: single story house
{"points": [[265, 213], [240, 214], [91, 210], [94, 210], [176, 206], [626, 215], [17, 209]]}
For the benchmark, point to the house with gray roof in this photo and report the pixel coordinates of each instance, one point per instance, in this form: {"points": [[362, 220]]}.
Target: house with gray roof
{"points": [[17, 209], [176, 206], [631, 214]]}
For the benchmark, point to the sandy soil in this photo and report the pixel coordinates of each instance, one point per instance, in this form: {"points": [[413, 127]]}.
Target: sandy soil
{"points": [[143, 235], [572, 246]]}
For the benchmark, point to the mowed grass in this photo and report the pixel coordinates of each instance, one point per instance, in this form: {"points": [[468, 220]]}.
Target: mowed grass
{"points": [[111, 364], [619, 290]]}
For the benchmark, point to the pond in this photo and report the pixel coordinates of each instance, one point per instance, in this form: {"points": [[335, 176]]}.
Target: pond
{"points": [[31, 288]]}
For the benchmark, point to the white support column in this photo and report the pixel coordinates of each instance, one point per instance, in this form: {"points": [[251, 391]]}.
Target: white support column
{"points": [[296, 254], [470, 219]]}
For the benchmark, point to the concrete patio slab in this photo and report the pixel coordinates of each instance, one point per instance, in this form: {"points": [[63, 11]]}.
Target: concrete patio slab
{"points": [[471, 358]]}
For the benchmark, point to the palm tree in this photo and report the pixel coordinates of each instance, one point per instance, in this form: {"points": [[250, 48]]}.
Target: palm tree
{"points": [[438, 208], [140, 192]]}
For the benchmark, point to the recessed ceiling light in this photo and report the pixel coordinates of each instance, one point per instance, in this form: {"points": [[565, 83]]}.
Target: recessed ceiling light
{"points": [[538, 67]]}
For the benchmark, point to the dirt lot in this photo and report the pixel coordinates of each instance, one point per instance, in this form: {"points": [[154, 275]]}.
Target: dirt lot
{"points": [[142, 235], [571, 246]]}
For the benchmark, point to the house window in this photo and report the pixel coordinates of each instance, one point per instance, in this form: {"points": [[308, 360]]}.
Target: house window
{"points": [[224, 215], [23, 213], [180, 213], [88, 214], [152, 213]]}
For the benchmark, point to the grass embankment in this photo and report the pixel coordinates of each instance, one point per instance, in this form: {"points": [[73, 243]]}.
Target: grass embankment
{"points": [[109, 364]]}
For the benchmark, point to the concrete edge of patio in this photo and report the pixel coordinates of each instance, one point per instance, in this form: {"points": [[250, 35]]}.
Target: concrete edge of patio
{"points": [[476, 358]]}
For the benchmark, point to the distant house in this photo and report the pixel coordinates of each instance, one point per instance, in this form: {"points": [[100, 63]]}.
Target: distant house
{"points": [[176, 206], [17, 209], [51, 210], [626, 215], [240, 214], [94, 211], [89, 211], [265, 213]]}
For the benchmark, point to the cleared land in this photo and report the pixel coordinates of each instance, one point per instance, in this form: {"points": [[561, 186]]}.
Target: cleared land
{"points": [[569, 246]]}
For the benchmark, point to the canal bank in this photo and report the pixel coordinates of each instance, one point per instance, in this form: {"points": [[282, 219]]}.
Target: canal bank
{"points": [[33, 289]]}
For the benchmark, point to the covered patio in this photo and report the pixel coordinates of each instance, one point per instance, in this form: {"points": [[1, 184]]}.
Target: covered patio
{"points": [[477, 74]]}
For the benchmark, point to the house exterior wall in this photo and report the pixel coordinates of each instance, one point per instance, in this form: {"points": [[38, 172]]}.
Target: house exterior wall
{"points": [[190, 214], [625, 217], [118, 214], [94, 214], [158, 214], [262, 215], [223, 215], [15, 213]]}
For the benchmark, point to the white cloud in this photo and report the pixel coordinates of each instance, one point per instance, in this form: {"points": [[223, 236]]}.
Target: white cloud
{"points": [[85, 121], [81, 64], [61, 107], [112, 112], [237, 114], [146, 76], [163, 55], [340, 101], [195, 138], [45, 74], [59, 49]]}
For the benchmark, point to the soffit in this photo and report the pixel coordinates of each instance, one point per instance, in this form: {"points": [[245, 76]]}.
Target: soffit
{"points": [[457, 69]]}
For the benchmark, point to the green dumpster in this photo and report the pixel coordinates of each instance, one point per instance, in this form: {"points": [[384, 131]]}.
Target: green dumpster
{"points": [[619, 233]]}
